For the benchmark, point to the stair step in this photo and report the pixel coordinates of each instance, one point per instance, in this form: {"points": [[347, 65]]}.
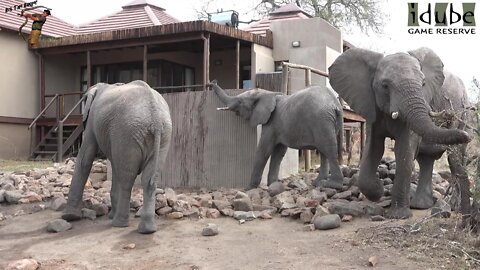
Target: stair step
{"points": [[45, 152]]}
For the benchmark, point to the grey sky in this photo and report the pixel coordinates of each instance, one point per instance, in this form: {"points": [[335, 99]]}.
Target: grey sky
{"points": [[460, 53]]}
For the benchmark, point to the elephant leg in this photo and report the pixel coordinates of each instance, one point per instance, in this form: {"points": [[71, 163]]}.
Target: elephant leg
{"points": [[125, 165], [423, 198], [324, 168], [113, 195], [264, 150], [368, 181], [275, 161], [405, 149], [83, 165], [335, 180]]}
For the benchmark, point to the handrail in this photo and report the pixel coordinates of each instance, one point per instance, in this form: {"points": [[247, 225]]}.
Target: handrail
{"points": [[314, 70], [74, 107], [65, 94], [43, 111]]}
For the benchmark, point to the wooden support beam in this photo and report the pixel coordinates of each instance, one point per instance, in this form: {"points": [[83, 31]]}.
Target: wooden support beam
{"points": [[41, 64], [145, 63], [362, 138], [206, 60], [285, 79], [308, 77], [89, 69], [237, 65]]}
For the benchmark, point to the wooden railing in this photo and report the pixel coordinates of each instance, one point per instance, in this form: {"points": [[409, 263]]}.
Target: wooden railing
{"points": [[60, 145]]}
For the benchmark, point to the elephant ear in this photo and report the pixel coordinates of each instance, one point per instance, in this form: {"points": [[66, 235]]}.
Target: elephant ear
{"points": [[432, 68], [263, 107], [89, 97], [351, 76]]}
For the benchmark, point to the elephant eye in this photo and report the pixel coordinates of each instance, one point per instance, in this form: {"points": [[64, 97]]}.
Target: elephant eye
{"points": [[385, 85], [423, 83]]}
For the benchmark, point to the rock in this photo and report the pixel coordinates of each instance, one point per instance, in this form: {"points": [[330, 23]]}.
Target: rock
{"points": [[23, 264], [181, 206], [254, 195], [259, 207], [346, 195], [170, 195], [311, 203], [266, 214], [219, 204], [346, 171], [441, 209], [193, 213], [347, 181], [276, 188], [58, 204], [387, 181], [377, 218], [227, 212], [163, 211], [242, 204], [372, 261], [175, 215], [298, 184], [372, 209], [12, 197], [300, 201], [329, 191], [345, 208], [391, 174], [2, 195], [242, 215], [440, 189], [384, 203], [327, 222], [347, 218], [282, 199], [213, 213], [89, 214], [446, 175], [316, 194], [241, 195], [135, 202], [306, 215], [160, 201], [382, 171], [309, 228], [210, 230], [58, 225], [139, 212], [100, 209], [129, 246]]}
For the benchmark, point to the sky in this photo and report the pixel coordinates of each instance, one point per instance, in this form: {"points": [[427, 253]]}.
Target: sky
{"points": [[459, 53]]}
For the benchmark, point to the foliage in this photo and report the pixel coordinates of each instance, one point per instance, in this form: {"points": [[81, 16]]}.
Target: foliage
{"points": [[367, 15]]}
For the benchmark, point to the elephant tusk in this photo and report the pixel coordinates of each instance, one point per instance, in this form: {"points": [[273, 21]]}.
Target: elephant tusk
{"points": [[223, 109], [437, 114], [395, 115]]}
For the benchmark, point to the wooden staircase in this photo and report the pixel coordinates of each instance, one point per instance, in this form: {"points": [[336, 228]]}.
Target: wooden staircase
{"points": [[48, 147], [60, 135]]}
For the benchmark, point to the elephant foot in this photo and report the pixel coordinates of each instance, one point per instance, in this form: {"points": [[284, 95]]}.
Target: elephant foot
{"points": [[71, 214], [249, 187], [421, 202], [330, 183], [398, 213], [111, 214], [117, 222], [147, 226]]}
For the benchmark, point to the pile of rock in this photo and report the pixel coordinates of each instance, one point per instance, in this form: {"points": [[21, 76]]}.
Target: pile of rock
{"points": [[294, 197]]}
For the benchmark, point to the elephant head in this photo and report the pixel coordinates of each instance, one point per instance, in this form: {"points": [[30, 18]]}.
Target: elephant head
{"points": [[255, 106], [399, 86]]}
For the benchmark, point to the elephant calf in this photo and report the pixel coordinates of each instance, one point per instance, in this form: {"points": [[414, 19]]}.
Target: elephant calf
{"points": [[131, 124], [309, 119]]}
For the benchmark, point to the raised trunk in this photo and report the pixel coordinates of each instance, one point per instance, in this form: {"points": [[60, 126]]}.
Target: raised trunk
{"points": [[414, 111], [226, 99]]}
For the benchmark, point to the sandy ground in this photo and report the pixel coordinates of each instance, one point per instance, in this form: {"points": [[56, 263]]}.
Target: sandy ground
{"points": [[279, 243]]}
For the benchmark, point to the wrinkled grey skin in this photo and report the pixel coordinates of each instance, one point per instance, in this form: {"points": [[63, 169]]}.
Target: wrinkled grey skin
{"points": [[393, 94], [453, 90], [130, 123], [309, 119]]}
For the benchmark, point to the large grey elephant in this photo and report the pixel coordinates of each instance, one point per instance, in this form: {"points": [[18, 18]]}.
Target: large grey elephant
{"points": [[451, 97], [308, 119], [393, 94], [131, 124]]}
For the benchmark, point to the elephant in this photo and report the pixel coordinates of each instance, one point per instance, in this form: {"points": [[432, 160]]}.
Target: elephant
{"points": [[452, 96], [393, 93], [129, 123], [311, 118]]}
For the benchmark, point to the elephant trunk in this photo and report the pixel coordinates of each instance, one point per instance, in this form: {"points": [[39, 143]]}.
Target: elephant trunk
{"points": [[226, 99], [414, 111]]}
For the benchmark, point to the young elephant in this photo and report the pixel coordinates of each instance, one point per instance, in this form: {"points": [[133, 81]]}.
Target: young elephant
{"points": [[309, 119], [131, 124]]}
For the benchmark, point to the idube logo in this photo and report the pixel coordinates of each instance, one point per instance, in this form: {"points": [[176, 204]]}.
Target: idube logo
{"points": [[443, 18]]}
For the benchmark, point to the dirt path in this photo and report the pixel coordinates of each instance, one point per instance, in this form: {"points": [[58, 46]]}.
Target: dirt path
{"points": [[279, 243]]}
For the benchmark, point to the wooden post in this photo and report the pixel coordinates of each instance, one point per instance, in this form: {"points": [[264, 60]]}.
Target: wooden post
{"points": [[206, 60], [41, 63], [237, 66], [89, 70], [285, 79], [308, 153], [60, 142], [362, 138], [145, 63]]}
